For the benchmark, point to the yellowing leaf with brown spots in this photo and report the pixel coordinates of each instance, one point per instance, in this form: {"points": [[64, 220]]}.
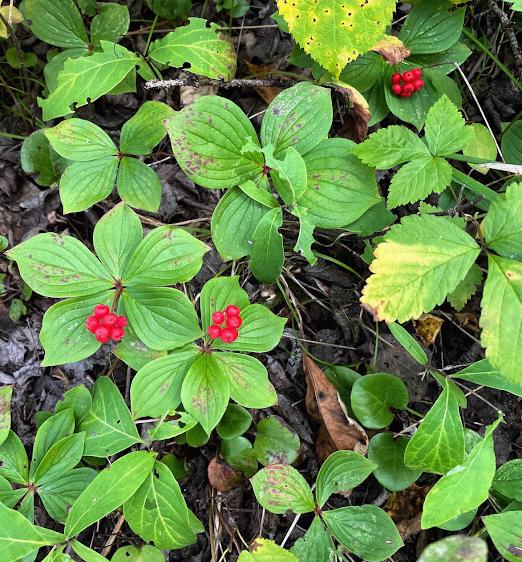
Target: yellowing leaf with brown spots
{"points": [[335, 33]]}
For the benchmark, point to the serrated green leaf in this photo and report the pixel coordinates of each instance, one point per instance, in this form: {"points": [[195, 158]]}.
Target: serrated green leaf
{"points": [[205, 391], [457, 548], [163, 318], [109, 490], [108, 424], [217, 294], [111, 23], [336, 34], [373, 397], [207, 51], [6, 393], [466, 288], [280, 488], [13, 459], [207, 140], [276, 443], [504, 531], [267, 251], [366, 530], [38, 157], [167, 255], [465, 487], [503, 223], [64, 455], [264, 550], [438, 444], [420, 261], [482, 373], [139, 185]]}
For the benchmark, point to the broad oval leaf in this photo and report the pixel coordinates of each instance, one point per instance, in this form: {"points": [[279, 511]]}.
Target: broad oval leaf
{"points": [[64, 455], [111, 23], [38, 157], [235, 421], [316, 545], [267, 254], [146, 553], [276, 442], [138, 184], [504, 531], [13, 460]]}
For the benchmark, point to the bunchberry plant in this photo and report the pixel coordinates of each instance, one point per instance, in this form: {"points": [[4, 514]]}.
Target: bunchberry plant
{"points": [[407, 83], [316, 179], [130, 274]]}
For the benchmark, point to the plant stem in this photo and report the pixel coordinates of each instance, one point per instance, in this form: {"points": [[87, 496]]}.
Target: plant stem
{"points": [[470, 159], [339, 263], [152, 27], [474, 185], [11, 136]]}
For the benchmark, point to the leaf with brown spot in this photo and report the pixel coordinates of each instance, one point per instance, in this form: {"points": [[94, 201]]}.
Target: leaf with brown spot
{"points": [[392, 49], [356, 114], [428, 327], [223, 477], [337, 431]]}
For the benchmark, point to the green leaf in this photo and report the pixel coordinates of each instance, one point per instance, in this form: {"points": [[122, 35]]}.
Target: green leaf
{"points": [[116, 235], [217, 294], [276, 443], [431, 27], [163, 318], [55, 265], [64, 455], [387, 453], [342, 471], [391, 146], [156, 388], [408, 342], [146, 553], [6, 393], [87, 554], [157, 512], [457, 548], [340, 189], [86, 79], [139, 185], [111, 23], [280, 488], [108, 425], [482, 145], [259, 194], [366, 530], [78, 399], [207, 51], [501, 319], [336, 34], [504, 531], [207, 140], [264, 550], [134, 352], [169, 10], [316, 545], [234, 222], [420, 261], [438, 443], [19, 537], [172, 428], [288, 175], [364, 72], [38, 157], [57, 23], [167, 255], [298, 117], [483, 374], [239, 454], [374, 395], [305, 240], [267, 251], [445, 129], [508, 480], [14, 464], [145, 129], [109, 490], [443, 61], [465, 487], [260, 332], [80, 140], [205, 391], [503, 225], [235, 421], [466, 288], [511, 143]]}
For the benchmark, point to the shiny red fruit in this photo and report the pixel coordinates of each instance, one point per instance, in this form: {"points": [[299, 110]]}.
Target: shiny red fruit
{"points": [[408, 76], [396, 78], [92, 323], [234, 322], [117, 333], [102, 334], [214, 331], [228, 335], [417, 73], [418, 84], [397, 89], [121, 321], [405, 95], [218, 317], [101, 310], [408, 88], [232, 310], [110, 320]]}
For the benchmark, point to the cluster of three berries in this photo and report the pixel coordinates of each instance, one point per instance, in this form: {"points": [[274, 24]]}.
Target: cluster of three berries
{"points": [[105, 325], [406, 84], [225, 324]]}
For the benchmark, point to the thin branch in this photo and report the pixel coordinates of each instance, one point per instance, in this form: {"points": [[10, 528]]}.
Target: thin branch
{"points": [[113, 535], [507, 24], [191, 80]]}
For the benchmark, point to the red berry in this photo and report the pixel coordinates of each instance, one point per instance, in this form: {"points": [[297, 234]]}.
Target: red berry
{"points": [[214, 331], [408, 76], [228, 335], [218, 317], [234, 322], [102, 334], [405, 95], [101, 310], [117, 333], [232, 310], [408, 88], [396, 78], [92, 323], [417, 73], [397, 89], [418, 84], [121, 321], [110, 320]]}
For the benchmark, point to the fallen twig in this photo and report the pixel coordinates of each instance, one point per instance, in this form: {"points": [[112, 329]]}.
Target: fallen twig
{"points": [[197, 82]]}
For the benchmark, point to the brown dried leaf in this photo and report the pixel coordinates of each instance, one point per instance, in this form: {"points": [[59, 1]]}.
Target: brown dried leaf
{"points": [[392, 49], [223, 477], [356, 115], [405, 508], [428, 328], [468, 320], [260, 71], [337, 430]]}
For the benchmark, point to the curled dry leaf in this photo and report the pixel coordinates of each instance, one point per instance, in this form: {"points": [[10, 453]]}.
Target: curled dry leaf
{"points": [[223, 477], [392, 49], [428, 328], [337, 431], [356, 115], [405, 508]]}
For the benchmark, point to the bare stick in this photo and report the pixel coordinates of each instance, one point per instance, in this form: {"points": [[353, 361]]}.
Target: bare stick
{"points": [[114, 534], [507, 24], [197, 82]]}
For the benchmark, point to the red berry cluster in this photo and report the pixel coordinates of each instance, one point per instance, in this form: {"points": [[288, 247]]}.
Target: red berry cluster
{"points": [[105, 325], [225, 324], [406, 84]]}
